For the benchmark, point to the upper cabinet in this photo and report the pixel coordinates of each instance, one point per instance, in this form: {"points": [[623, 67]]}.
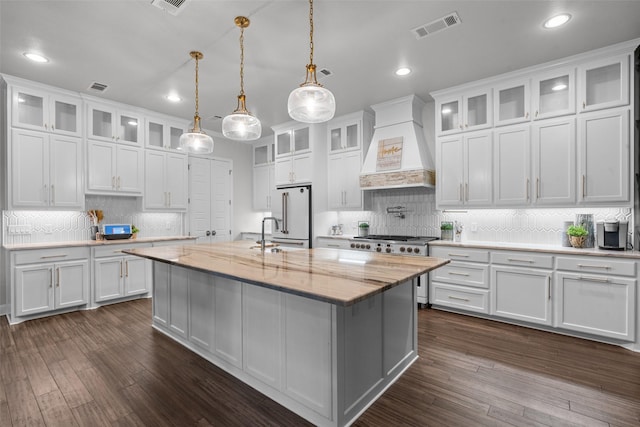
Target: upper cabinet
{"points": [[294, 145], [163, 134], [107, 122], [263, 175], [512, 102], [604, 83], [38, 109], [464, 112], [554, 93]]}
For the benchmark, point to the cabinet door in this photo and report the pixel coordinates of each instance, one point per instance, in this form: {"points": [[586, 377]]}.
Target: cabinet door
{"points": [[450, 171], [129, 128], [283, 171], [64, 115], [227, 324], [201, 309], [65, 174], [179, 301], [156, 134], [137, 275], [512, 103], [155, 194], [521, 294], [554, 162], [34, 289], [301, 140], [108, 276], [478, 182], [284, 144], [604, 83], [177, 180], [512, 156], [351, 166], [449, 115], [477, 108], [263, 180], [129, 169], [595, 304], [263, 154], [161, 294], [175, 132], [29, 168], [101, 166], [72, 283], [554, 94], [604, 156], [302, 169], [101, 122], [29, 109], [335, 180]]}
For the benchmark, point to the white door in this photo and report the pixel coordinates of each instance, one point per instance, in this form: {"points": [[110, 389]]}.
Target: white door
{"points": [[521, 294], [29, 168], [101, 166], [65, 173], [351, 168], [478, 164], [130, 165], [108, 274], [33, 289], [511, 157], [221, 200], [72, 283], [155, 195], [137, 275], [177, 180], [336, 172], [450, 171]]}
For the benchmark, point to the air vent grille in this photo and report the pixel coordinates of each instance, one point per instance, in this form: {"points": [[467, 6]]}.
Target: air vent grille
{"points": [[172, 7], [98, 87], [437, 25]]}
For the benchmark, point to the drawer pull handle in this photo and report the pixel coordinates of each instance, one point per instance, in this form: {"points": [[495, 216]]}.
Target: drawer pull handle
{"points": [[455, 273], [606, 267], [458, 298], [594, 279], [53, 256], [460, 255], [521, 260], [334, 246]]}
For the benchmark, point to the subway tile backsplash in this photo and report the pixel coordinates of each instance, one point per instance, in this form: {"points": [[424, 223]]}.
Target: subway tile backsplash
{"points": [[537, 226], [53, 226]]}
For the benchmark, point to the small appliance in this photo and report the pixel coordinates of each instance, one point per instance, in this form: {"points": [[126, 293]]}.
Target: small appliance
{"points": [[612, 234], [116, 231]]}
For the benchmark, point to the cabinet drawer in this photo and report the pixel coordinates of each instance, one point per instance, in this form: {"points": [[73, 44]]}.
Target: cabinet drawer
{"points": [[460, 297], [523, 259], [459, 273], [50, 255], [115, 250], [333, 243], [602, 265], [460, 254]]}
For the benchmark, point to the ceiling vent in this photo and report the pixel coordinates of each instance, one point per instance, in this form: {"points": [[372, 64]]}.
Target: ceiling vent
{"points": [[439, 24], [321, 74], [98, 87], [172, 7]]}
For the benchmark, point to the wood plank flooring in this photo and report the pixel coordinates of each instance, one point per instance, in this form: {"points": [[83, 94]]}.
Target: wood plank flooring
{"points": [[107, 367]]}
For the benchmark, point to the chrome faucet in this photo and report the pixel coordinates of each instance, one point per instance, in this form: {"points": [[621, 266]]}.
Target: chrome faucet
{"points": [[275, 221]]}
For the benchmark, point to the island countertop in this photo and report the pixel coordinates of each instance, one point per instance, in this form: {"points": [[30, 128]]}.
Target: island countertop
{"points": [[336, 276]]}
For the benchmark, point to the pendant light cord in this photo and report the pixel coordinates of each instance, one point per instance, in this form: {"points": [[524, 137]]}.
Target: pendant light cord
{"points": [[241, 60], [311, 31], [197, 99]]}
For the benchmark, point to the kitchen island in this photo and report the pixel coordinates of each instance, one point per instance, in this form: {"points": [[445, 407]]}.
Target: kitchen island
{"points": [[323, 332]]}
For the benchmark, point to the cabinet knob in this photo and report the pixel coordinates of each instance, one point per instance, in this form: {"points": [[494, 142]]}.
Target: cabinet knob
{"points": [[208, 233], [213, 232], [584, 104]]}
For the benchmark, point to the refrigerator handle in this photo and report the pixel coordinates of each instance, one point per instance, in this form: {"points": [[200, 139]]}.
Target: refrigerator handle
{"points": [[285, 208]]}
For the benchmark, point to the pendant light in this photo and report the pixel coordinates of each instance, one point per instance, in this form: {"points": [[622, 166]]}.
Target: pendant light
{"points": [[311, 103], [241, 125], [196, 141]]}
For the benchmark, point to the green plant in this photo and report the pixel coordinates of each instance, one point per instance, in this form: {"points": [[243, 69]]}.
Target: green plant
{"points": [[363, 225], [577, 231], [446, 226], [134, 229]]}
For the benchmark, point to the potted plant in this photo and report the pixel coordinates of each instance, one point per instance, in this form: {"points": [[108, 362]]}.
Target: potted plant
{"points": [[446, 230], [577, 235], [363, 229], [134, 232]]}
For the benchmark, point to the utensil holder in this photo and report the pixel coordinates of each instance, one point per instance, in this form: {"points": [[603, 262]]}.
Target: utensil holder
{"points": [[93, 231]]}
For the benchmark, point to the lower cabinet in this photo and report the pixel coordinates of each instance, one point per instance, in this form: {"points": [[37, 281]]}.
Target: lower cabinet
{"points": [[521, 294], [117, 275]]}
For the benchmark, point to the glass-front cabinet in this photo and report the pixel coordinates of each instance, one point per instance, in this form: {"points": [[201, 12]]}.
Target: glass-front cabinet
{"points": [[163, 134], [293, 141], [263, 154], [554, 94], [40, 110], [512, 103], [107, 123], [604, 83], [344, 137], [471, 111]]}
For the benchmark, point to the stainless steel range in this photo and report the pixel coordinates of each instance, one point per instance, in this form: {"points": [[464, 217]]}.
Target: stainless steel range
{"points": [[399, 245]]}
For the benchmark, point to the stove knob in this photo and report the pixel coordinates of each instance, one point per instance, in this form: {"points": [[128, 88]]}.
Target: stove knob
{"points": [[368, 246], [402, 248], [409, 250], [357, 245], [353, 245], [388, 250], [378, 249], [416, 250]]}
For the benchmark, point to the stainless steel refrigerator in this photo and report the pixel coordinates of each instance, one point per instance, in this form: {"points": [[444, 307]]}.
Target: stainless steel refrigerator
{"points": [[292, 207]]}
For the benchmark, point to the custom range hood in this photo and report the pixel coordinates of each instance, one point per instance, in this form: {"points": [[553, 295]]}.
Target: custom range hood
{"points": [[398, 155]]}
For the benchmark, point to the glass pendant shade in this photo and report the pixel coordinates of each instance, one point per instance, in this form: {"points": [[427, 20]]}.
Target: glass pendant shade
{"points": [[241, 125], [196, 142], [311, 103]]}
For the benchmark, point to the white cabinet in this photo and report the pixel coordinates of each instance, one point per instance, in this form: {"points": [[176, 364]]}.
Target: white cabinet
{"points": [[351, 132], [512, 160], [48, 280], [263, 176], [333, 243], [603, 153], [163, 133], [603, 83], [39, 109], [166, 185], [114, 169], [512, 102], [107, 122], [294, 161], [45, 171], [294, 170], [117, 275], [464, 168], [472, 110], [554, 93]]}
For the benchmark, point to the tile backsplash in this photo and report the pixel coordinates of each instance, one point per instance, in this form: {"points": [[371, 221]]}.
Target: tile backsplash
{"points": [[537, 226], [53, 226]]}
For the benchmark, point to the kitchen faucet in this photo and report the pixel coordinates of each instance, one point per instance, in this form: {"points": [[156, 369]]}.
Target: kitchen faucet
{"points": [[275, 220]]}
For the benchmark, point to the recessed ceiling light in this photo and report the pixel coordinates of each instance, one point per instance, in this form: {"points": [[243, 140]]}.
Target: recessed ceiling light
{"points": [[557, 20], [559, 86], [173, 97], [403, 71], [35, 57]]}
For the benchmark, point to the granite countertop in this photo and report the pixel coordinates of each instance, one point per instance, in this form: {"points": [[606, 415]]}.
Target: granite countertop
{"points": [[340, 277], [92, 243], [529, 247]]}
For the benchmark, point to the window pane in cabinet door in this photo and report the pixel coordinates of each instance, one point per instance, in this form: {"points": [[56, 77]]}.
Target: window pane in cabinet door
{"points": [[449, 116], [336, 139], [511, 103], [352, 136], [477, 110], [261, 156], [301, 139], [156, 134], [30, 109], [66, 116], [284, 143], [603, 84], [174, 136], [129, 128], [554, 95], [102, 124]]}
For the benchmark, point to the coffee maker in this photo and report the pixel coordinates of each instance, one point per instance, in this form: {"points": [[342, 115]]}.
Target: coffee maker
{"points": [[612, 234]]}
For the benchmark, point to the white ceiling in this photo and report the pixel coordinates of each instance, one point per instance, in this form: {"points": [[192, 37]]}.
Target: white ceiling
{"points": [[142, 52]]}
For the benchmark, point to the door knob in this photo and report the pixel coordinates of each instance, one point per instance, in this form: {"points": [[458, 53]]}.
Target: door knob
{"points": [[208, 233]]}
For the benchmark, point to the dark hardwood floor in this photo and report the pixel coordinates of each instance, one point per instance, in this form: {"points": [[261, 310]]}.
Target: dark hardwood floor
{"points": [[107, 367]]}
